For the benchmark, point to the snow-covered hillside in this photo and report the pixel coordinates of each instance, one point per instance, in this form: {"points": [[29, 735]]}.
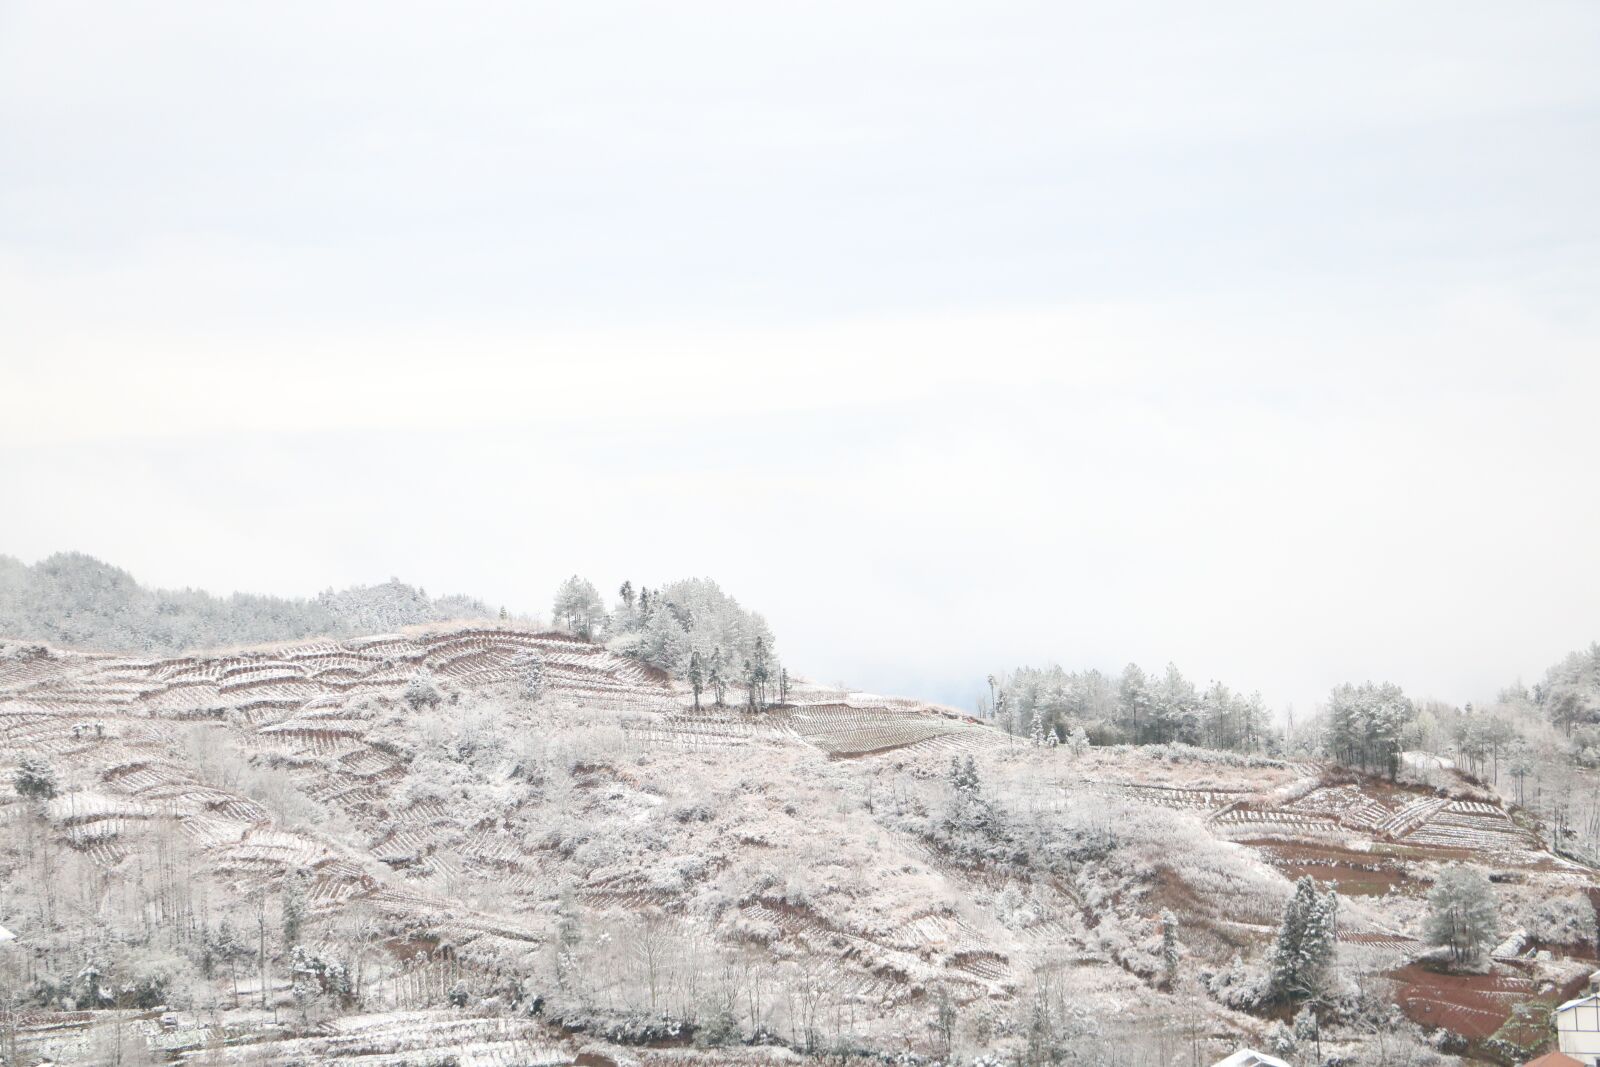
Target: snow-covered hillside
{"points": [[517, 847]]}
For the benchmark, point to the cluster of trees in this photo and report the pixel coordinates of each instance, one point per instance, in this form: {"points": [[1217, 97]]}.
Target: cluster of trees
{"points": [[75, 600], [1366, 726], [689, 628], [1570, 692], [1133, 708]]}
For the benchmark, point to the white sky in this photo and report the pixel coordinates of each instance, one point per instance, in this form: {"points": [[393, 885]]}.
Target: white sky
{"points": [[1259, 337]]}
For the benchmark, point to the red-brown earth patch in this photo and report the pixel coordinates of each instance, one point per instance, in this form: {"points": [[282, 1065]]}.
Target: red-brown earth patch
{"points": [[1472, 1005], [1357, 873]]}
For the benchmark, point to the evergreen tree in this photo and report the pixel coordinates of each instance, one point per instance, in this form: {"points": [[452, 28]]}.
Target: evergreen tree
{"points": [[1133, 703], [529, 666], [1306, 943], [716, 676], [569, 937], [1365, 724], [294, 908], [35, 779], [1036, 729], [578, 605], [760, 673], [696, 677], [1169, 948], [1462, 913]]}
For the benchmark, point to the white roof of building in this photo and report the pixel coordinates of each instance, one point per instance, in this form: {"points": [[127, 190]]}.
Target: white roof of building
{"points": [[6, 935], [1249, 1057], [1590, 999]]}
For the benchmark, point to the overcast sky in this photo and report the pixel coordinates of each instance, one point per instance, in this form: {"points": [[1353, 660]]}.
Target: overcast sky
{"points": [[1260, 337]]}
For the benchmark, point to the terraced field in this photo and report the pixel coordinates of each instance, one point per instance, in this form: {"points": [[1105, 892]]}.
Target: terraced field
{"points": [[749, 835]]}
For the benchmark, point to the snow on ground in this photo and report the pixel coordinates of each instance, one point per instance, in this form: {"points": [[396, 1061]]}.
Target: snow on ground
{"points": [[610, 844]]}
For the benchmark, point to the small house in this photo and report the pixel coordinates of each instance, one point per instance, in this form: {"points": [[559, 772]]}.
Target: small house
{"points": [[1578, 1029], [1249, 1057]]}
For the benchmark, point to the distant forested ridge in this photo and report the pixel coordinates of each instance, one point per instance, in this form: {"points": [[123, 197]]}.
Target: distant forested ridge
{"points": [[74, 600], [1133, 708]]}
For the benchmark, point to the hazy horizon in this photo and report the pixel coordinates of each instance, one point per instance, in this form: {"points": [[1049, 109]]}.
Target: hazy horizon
{"points": [[1258, 340]]}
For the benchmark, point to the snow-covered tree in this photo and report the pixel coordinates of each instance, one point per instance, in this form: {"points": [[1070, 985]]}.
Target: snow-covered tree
{"points": [[1365, 723], [697, 676], [316, 977], [1462, 913], [716, 676], [294, 908], [760, 672], [1169, 948], [35, 779], [1307, 940], [1036, 729], [529, 666], [694, 614], [579, 607]]}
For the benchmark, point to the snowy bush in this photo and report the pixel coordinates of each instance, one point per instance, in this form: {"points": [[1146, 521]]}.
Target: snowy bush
{"points": [[421, 692], [529, 667], [1567, 919], [1240, 986], [1281, 1040]]}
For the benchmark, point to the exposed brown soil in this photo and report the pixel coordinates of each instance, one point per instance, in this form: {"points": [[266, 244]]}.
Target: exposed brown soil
{"points": [[1357, 873], [1472, 1005]]}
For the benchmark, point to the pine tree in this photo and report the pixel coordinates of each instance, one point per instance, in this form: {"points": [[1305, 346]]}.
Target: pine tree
{"points": [[696, 677], [715, 675], [1036, 730], [529, 666], [35, 779], [760, 672], [1462, 913], [578, 605], [294, 908], [1169, 948], [569, 937], [1306, 943]]}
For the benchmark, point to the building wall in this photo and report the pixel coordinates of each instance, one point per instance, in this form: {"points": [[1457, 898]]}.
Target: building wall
{"points": [[1578, 1031]]}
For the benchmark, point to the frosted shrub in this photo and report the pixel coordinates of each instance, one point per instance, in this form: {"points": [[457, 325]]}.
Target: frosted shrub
{"points": [[1016, 910], [530, 674], [1563, 920], [674, 874], [421, 692], [797, 892], [1240, 986], [1281, 1040]]}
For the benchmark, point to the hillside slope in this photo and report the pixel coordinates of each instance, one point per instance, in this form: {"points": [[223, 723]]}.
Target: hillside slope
{"points": [[74, 600], [530, 876]]}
